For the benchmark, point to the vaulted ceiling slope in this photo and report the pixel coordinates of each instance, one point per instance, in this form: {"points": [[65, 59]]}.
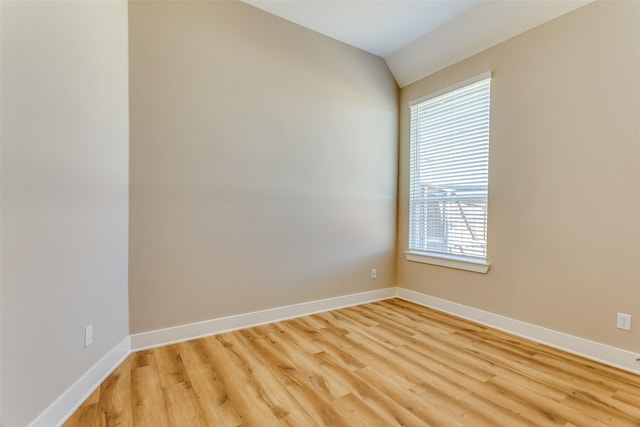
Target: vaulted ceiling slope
{"points": [[419, 37]]}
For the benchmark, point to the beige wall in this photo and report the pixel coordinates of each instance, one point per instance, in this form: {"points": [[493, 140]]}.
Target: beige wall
{"points": [[564, 204], [263, 173], [64, 195], [263, 164]]}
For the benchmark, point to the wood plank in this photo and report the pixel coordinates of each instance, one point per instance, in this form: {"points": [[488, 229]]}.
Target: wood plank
{"points": [[430, 411], [114, 403], [356, 413], [389, 412], [388, 363], [168, 361], [86, 414], [293, 413], [249, 399], [556, 409], [148, 399], [183, 407], [211, 393]]}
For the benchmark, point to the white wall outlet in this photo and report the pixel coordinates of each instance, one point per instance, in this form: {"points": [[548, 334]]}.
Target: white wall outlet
{"points": [[374, 273], [88, 335], [624, 321]]}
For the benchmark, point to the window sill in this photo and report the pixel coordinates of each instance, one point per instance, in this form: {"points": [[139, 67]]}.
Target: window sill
{"points": [[459, 263]]}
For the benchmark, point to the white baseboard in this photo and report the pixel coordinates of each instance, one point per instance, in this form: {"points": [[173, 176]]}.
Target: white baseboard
{"points": [[246, 320], [603, 353], [66, 404], [70, 400]]}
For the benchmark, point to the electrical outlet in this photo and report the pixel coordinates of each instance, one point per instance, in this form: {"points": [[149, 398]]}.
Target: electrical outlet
{"points": [[374, 273], [624, 321], [88, 335]]}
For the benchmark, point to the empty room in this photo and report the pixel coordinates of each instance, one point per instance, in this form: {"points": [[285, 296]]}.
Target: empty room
{"points": [[319, 213]]}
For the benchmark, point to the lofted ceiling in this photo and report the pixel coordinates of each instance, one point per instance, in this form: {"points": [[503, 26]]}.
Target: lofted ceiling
{"points": [[419, 37]]}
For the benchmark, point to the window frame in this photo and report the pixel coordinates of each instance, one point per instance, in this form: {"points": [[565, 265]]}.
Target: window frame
{"points": [[474, 264]]}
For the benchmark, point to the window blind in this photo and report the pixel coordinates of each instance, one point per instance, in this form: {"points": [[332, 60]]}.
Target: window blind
{"points": [[449, 171]]}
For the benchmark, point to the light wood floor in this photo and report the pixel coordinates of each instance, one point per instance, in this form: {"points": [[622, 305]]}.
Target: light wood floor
{"points": [[387, 363]]}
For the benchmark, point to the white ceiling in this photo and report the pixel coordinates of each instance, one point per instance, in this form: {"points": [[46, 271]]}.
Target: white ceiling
{"points": [[419, 37], [376, 26]]}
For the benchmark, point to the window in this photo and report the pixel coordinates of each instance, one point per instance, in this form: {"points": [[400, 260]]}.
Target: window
{"points": [[449, 170]]}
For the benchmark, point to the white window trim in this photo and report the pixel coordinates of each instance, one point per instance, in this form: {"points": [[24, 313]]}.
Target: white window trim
{"points": [[451, 88], [447, 260], [451, 261]]}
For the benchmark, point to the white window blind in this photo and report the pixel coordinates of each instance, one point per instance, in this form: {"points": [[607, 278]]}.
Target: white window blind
{"points": [[449, 172]]}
